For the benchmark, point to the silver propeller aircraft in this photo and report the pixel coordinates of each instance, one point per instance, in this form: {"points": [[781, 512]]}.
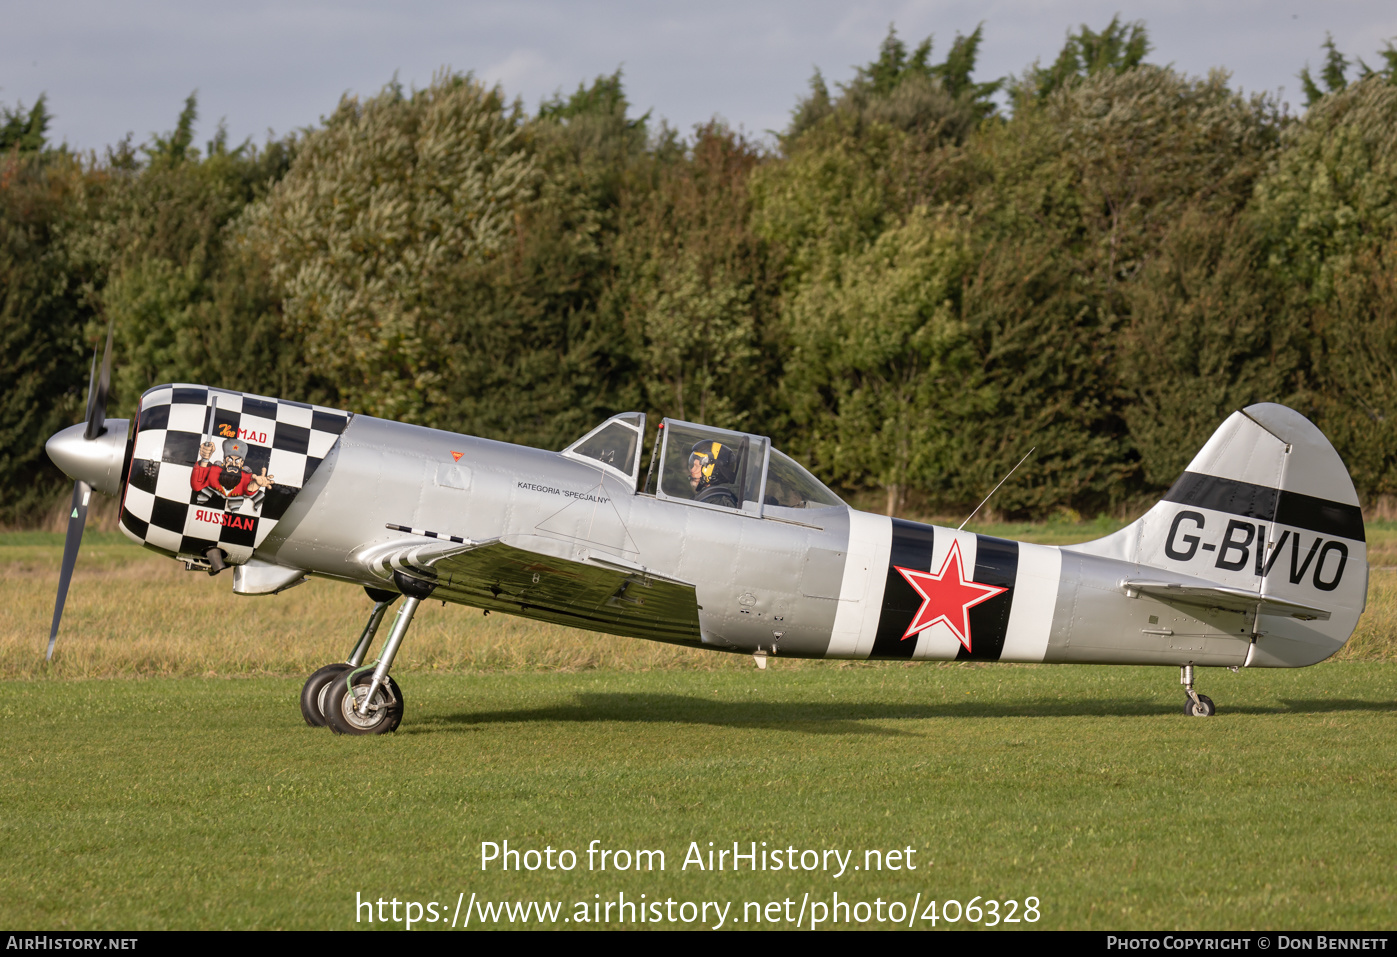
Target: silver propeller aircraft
{"points": [[1255, 557]]}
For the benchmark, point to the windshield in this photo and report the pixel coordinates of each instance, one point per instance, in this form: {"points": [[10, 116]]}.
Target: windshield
{"points": [[615, 444], [790, 486]]}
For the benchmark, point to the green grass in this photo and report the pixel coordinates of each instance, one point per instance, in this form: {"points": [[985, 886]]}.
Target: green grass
{"points": [[155, 803], [51, 539], [1050, 532], [164, 799], [132, 613]]}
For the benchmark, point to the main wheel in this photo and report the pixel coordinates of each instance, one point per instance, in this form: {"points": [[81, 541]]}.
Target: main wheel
{"points": [[385, 710], [313, 693], [1202, 708]]}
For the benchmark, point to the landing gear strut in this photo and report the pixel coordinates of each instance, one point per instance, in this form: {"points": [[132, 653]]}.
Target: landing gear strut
{"points": [[1198, 705], [313, 693], [362, 699], [365, 700]]}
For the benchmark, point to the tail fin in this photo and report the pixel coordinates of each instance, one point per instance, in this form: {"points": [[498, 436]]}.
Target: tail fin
{"points": [[1266, 507]]}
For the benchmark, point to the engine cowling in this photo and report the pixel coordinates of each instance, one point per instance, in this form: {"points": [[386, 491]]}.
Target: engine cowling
{"points": [[183, 501]]}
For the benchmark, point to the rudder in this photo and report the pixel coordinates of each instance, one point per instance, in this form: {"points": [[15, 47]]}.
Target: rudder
{"points": [[1266, 506]]}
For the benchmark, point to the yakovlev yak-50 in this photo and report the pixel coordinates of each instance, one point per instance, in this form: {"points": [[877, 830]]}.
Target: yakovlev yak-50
{"points": [[1255, 558]]}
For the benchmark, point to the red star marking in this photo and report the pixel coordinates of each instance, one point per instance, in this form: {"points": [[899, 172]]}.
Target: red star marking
{"points": [[947, 596]]}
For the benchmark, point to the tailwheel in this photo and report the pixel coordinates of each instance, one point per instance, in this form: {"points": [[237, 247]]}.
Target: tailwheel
{"points": [[347, 712], [313, 693], [1202, 707]]}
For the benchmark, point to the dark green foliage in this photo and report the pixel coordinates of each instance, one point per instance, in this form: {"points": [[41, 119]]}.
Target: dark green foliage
{"points": [[1010, 330], [937, 101], [893, 66], [537, 349], [603, 102], [189, 305], [1389, 70], [1203, 338], [24, 132], [1355, 369], [693, 288], [1334, 74], [810, 109], [45, 202], [954, 74], [174, 147], [908, 296], [368, 235], [1160, 167], [1327, 213], [1332, 189], [1117, 48], [1335, 65]]}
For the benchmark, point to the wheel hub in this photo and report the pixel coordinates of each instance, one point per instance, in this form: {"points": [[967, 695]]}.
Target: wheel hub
{"points": [[353, 703]]}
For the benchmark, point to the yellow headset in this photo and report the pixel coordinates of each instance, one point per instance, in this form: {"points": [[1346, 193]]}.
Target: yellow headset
{"points": [[709, 459]]}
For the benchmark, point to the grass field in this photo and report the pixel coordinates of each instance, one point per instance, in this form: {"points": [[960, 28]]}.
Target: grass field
{"points": [[132, 613], [177, 797]]}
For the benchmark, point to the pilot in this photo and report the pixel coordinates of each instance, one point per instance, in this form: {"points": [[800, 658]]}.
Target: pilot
{"points": [[228, 478], [713, 473]]}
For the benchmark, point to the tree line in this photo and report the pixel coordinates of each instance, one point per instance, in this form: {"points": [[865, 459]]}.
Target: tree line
{"points": [[922, 277]]}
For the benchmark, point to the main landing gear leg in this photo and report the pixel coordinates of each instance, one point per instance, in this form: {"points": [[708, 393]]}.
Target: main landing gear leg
{"points": [[1199, 705], [365, 700], [313, 693], [381, 600]]}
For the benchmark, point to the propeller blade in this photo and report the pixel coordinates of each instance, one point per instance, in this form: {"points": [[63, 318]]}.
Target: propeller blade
{"points": [[97, 389], [91, 388], [97, 398], [77, 518]]}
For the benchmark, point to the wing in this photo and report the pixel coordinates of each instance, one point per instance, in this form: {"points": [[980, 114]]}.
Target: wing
{"points": [[1220, 596], [600, 594]]}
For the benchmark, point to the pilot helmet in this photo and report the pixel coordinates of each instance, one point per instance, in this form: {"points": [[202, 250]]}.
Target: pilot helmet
{"points": [[717, 463], [235, 447]]}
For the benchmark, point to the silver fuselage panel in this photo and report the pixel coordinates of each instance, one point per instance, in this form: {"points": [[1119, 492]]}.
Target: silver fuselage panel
{"points": [[759, 582], [818, 582]]}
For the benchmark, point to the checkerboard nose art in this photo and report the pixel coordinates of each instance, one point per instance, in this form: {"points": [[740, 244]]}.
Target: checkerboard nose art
{"points": [[211, 467]]}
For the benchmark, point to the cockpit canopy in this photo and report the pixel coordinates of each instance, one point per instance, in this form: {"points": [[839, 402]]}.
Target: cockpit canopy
{"points": [[790, 486], [707, 466], [729, 475], [614, 445]]}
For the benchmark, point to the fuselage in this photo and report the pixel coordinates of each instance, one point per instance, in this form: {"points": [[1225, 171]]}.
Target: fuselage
{"points": [[820, 580]]}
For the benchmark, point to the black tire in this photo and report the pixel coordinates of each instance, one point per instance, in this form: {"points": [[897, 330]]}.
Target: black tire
{"points": [[1203, 708], [313, 693], [340, 701]]}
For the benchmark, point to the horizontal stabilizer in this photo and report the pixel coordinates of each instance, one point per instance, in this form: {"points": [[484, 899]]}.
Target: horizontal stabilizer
{"points": [[1220, 596]]}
